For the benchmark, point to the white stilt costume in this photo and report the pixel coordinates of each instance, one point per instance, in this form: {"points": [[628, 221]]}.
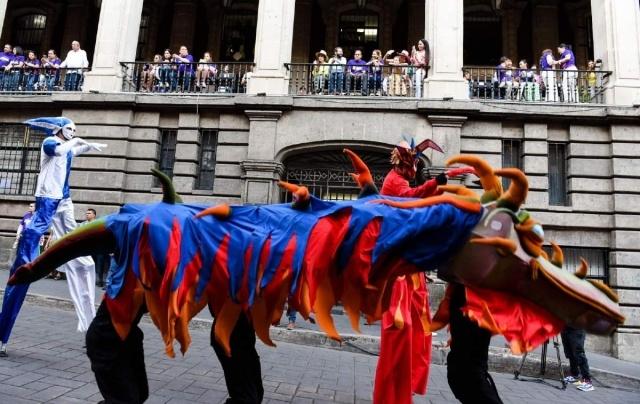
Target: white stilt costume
{"points": [[53, 208]]}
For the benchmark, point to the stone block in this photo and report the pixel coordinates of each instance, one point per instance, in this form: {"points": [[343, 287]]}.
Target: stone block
{"points": [[169, 120], [479, 145], [231, 153], [257, 191], [100, 163], [584, 133], [145, 134], [535, 165], [473, 129], [115, 147], [101, 133], [140, 166], [183, 185], [589, 167], [102, 197], [535, 131], [146, 118], [626, 149], [210, 119], [211, 200], [626, 184], [578, 237], [626, 166], [624, 132], [590, 185], [97, 179], [187, 151], [569, 219], [625, 239], [589, 149], [632, 315], [228, 170], [538, 182], [626, 344], [235, 137], [188, 136], [188, 120], [558, 133], [599, 343], [143, 150], [592, 202], [228, 186], [537, 200], [233, 121], [185, 168], [622, 258], [627, 221], [535, 147], [134, 182], [629, 296], [624, 276], [512, 130], [627, 202], [99, 116]]}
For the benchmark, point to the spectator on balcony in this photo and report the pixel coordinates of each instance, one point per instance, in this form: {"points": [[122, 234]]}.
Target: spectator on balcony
{"points": [[592, 81], [336, 72], [31, 70], [207, 70], [357, 73], [547, 63], [13, 71], [167, 72], [76, 63], [5, 59], [420, 62], [227, 80], [375, 72], [320, 71], [50, 72], [567, 63], [504, 78], [397, 80], [185, 68], [150, 73], [528, 88]]}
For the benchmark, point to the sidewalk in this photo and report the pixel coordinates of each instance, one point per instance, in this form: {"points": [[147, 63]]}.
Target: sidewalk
{"points": [[606, 370]]}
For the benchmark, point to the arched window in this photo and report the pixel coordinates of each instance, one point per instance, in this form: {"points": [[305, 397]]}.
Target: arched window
{"points": [[29, 30], [359, 30]]}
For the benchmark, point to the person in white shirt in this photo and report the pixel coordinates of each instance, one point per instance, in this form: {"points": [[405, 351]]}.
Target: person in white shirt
{"points": [[53, 208], [76, 63]]}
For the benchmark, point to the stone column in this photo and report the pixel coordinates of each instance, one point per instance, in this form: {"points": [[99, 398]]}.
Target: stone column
{"points": [[274, 36], [116, 41], [446, 133], [444, 30], [183, 26], [624, 271], [3, 12], [260, 169], [616, 31]]}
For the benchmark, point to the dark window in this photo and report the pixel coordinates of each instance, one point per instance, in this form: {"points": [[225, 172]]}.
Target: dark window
{"points": [[238, 35], [143, 36], [511, 157], [19, 159], [167, 152], [597, 258], [359, 30], [207, 161], [29, 30], [558, 194]]}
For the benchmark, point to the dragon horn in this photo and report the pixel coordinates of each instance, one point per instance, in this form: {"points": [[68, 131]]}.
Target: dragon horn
{"points": [[582, 270], [557, 258], [518, 189], [222, 211], [169, 194], [300, 193], [490, 182], [362, 176], [90, 239]]}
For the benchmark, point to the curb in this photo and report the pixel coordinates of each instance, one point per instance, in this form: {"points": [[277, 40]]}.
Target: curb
{"points": [[500, 359]]}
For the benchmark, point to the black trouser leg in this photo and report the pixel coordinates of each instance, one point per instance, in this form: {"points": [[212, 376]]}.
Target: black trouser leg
{"points": [[574, 340], [467, 368], [118, 365], [242, 370], [567, 346]]}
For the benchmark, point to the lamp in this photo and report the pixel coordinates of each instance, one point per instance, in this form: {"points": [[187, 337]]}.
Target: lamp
{"points": [[361, 4]]}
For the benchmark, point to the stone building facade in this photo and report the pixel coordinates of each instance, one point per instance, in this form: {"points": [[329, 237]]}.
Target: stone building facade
{"points": [[580, 158]]}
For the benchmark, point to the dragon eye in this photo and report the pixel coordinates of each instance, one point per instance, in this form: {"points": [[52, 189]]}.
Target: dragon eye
{"points": [[537, 229]]}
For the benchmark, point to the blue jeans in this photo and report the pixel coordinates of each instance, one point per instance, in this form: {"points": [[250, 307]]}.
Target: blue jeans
{"points": [[72, 81], [336, 82], [27, 251], [11, 80], [291, 315], [363, 79], [375, 83], [184, 79]]}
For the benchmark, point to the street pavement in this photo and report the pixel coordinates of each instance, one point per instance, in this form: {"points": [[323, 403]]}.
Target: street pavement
{"points": [[47, 363]]}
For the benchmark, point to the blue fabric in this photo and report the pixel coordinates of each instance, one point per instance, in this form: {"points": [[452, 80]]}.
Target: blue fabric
{"points": [[49, 146], [49, 125], [65, 189], [422, 236], [27, 251]]}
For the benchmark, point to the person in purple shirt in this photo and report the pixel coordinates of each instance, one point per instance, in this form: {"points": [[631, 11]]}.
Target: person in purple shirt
{"points": [[13, 71], [567, 62], [357, 72], [50, 74], [5, 59], [185, 67], [31, 70]]}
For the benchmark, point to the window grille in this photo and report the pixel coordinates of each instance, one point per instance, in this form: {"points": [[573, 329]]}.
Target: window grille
{"points": [[511, 157], [558, 194], [207, 159], [28, 32], [169, 139], [597, 258], [19, 159]]}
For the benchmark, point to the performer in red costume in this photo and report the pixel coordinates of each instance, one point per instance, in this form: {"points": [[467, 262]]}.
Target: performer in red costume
{"points": [[405, 346]]}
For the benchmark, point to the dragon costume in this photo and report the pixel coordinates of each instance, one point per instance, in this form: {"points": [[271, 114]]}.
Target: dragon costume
{"points": [[173, 259]]}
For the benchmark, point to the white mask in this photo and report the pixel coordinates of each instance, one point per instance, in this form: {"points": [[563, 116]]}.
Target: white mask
{"points": [[69, 131]]}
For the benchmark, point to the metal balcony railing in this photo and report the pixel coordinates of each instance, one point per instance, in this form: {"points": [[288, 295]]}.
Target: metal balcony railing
{"points": [[207, 78], [331, 79], [529, 85], [41, 80]]}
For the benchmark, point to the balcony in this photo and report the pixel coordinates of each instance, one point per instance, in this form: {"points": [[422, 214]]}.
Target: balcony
{"points": [[19, 80]]}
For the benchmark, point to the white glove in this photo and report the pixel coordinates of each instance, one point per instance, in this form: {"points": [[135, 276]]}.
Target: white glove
{"points": [[97, 146]]}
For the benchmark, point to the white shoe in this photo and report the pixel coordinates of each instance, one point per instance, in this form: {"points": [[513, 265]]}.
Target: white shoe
{"points": [[585, 385], [3, 351]]}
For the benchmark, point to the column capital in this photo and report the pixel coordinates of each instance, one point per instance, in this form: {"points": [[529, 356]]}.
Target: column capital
{"points": [[447, 121], [262, 169], [263, 115]]}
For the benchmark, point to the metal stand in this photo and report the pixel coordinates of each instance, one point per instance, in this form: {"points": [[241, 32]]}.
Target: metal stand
{"points": [[543, 366]]}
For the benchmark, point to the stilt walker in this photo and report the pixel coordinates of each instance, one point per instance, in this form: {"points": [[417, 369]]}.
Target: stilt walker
{"points": [[53, 208]]}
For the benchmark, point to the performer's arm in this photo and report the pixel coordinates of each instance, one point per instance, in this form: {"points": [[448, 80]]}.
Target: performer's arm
{"points": [[76, 146], [429, 188]]}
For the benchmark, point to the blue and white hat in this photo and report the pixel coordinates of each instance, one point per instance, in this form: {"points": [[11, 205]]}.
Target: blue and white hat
{"points": [[51, 125]]}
